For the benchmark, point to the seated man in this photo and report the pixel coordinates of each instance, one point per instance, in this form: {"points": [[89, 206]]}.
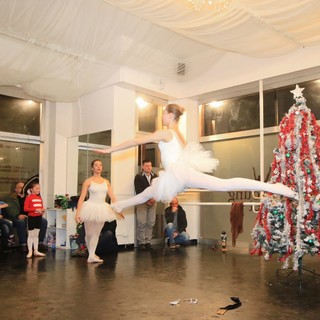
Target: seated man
{"points": [[107, 240], [6, 229], [176, 221], [15, 213]]}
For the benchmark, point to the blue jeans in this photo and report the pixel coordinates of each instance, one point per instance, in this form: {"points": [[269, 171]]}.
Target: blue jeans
{"points": [[6, 230], [181, 238]]}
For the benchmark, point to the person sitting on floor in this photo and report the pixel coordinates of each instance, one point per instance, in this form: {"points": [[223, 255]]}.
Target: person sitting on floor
{"points": [[176, 221]]}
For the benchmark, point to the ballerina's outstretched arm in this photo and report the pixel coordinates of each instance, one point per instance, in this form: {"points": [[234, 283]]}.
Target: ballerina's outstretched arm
{"points": [[160, 135], [201, 180]]}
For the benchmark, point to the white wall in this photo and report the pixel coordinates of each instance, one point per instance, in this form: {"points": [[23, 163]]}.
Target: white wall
{"points": [[95, 111], [231, 70], [234, 69]]}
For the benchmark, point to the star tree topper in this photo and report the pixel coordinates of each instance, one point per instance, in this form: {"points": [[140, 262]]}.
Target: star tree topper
{"points": [[297, 92]]}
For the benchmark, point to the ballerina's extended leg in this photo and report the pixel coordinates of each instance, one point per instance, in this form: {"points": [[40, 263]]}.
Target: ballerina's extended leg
{"points": [[201, 180], [142, 197]]}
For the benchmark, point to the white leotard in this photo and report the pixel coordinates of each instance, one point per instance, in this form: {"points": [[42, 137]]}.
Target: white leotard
{"points": [[170, 151]]}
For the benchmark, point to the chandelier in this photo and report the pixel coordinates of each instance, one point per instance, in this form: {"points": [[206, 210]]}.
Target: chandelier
{"points": [[217, 5]]}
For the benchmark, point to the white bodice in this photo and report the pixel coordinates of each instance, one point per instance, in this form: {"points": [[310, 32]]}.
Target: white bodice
{"points": [[170, 151], [98, 192]]}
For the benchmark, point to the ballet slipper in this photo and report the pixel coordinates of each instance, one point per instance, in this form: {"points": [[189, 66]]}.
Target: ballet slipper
{"points": [[39, 254], [94, 260], [29, 255], [116, 207]]}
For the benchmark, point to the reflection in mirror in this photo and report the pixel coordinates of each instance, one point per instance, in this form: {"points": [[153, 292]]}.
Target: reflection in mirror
{"points": [[149, 112], [88, 142]]}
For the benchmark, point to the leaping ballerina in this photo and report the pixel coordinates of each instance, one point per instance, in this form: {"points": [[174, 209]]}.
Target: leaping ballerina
{"points": [[184, 166]]}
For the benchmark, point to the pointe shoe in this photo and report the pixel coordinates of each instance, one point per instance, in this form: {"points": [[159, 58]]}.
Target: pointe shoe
{"points": [[116, 207], [29, 255], [39, 254], [94, 260]]}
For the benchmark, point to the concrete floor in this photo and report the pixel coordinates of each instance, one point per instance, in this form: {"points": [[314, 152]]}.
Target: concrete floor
{"points": [[140, 285]]}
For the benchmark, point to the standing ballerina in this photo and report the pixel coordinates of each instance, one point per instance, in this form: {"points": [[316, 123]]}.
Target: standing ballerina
{"points": [[95, 211], [184, 166]]}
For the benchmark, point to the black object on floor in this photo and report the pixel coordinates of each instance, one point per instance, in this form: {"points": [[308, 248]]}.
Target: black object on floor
{"points": [[237, 304]]}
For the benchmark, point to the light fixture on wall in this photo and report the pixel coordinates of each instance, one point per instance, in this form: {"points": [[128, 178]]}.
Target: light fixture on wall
{"points": [[215, 104], [141, 103], [217, 5]]}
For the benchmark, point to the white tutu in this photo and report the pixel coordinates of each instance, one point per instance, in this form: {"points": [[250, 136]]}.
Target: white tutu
{"points": [[173, 180], [98, 212], [96, 209]]}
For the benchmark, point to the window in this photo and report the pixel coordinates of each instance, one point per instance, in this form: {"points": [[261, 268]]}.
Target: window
{"points": [[18, 162], [102, 138], [86, 156], [19, 116], [19, 141], [242, 113], [149, 111]]}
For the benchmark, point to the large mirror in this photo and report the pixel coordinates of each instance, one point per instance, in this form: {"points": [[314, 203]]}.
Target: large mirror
{"points": [[86, 144]]}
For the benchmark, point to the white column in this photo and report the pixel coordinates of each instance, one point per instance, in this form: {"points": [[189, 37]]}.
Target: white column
{"points": [[189, 125], [123, 163], [55, 156]]}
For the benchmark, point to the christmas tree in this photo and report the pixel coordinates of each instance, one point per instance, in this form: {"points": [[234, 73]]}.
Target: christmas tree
{"points": [[291, 227]]}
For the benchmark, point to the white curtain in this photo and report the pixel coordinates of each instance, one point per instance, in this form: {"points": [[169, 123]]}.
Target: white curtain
{"points": [[61, 49]]}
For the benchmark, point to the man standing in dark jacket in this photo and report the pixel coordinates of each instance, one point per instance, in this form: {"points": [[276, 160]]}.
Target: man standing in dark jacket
{"points": [[146, 212], [176, 220]]}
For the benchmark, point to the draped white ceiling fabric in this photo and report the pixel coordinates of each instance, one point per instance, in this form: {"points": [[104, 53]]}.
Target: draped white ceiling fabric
{"points": [[60, 50]]}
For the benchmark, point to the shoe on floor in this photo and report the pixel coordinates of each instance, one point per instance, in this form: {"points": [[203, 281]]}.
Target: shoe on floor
{"points": [[29, 255], [148, 246], [142, 247], [42, 247], [80, 253], [10, 242]]}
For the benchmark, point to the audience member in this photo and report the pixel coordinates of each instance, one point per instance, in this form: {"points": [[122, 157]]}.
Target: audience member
{"points": [[16, 214], [34, 206], [6, 228], [145, 212], [176, 221]]}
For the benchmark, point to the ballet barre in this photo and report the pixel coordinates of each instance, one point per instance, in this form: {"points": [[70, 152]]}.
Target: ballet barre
{"points": [[252, 204]]}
